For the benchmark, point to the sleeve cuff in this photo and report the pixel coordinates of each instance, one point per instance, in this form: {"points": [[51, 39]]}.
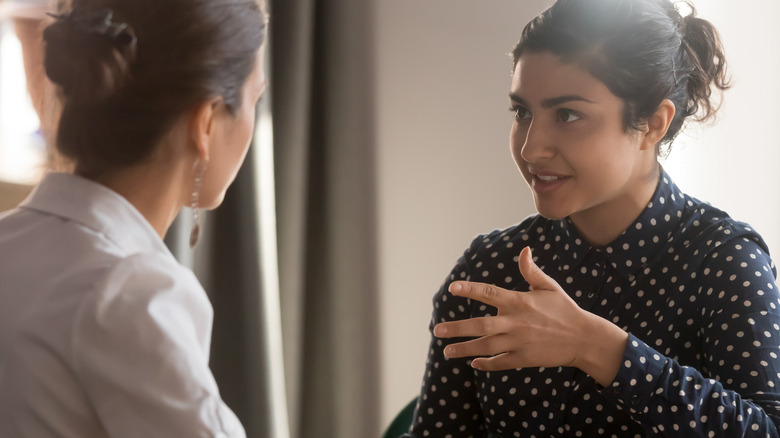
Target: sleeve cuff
{"points": [[637, 378]]}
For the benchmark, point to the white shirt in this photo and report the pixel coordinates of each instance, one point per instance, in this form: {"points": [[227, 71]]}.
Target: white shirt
{"points": [[102, 332]]}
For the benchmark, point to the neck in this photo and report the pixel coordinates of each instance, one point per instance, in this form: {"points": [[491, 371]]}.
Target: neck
{"points": [[602, 224], [156, 193]]}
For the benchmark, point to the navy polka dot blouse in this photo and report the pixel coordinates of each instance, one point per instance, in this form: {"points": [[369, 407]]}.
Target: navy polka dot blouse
{"points": [[695, 290]]}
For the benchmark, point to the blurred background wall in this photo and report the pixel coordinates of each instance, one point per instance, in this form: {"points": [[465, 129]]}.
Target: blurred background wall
{"points": [[444, 170]]}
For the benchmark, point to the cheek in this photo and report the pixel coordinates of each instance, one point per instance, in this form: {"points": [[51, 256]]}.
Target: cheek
{"points": [[247, 128], [238, 148], [240, 135], [606, 164], [232, 151], [243, 140]]}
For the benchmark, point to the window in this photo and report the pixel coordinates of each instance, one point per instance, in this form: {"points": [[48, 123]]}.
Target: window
{"points": [[22, 147]]}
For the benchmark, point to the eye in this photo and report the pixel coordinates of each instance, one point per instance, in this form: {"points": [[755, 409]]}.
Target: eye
{"points": [[568, 116], [520, 112]]}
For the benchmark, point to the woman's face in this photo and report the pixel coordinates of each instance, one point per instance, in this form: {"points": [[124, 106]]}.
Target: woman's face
{"points": [[568, 140], [232, 136]]}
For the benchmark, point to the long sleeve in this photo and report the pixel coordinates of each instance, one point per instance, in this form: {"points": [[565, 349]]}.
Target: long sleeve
{"points": [[735, 389], [449, 403]]}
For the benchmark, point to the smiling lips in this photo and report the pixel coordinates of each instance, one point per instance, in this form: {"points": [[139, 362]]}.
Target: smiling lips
{"points": [[546, 182]]}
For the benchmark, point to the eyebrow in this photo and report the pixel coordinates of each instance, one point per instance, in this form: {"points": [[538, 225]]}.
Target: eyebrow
{"points": [[553, 101]]}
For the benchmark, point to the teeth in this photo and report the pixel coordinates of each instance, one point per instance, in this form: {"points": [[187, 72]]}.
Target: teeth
{"points": [[548, 178]]}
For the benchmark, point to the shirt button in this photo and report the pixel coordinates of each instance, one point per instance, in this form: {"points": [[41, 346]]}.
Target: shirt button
{"points": [[634, 400], [617, 390], [591, 294]]}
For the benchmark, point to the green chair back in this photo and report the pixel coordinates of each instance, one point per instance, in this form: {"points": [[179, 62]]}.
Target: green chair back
{"points": [[402, 421]]}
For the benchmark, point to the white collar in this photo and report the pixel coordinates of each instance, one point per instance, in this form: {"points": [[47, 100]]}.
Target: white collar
{"points": [[97, 207]]}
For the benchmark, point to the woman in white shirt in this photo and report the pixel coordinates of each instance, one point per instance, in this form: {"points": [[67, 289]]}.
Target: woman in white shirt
{"points": [[102, 332]]}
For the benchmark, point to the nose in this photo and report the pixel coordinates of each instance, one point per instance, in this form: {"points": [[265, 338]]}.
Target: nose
{"points": [[536, 143]]}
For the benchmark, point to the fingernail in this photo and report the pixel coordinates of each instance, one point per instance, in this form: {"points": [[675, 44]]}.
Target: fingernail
{"points": [[439, 330], [455, 287], [449, 351], [475, 366]]}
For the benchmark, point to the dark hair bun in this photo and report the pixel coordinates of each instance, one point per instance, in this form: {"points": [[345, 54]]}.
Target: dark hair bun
{"points": [[91, 62], [702, 44], [127, 70]]}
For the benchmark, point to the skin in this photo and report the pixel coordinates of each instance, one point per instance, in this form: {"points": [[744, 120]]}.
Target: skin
{"points": [[208, 136], [569, 124], [568, 129]]}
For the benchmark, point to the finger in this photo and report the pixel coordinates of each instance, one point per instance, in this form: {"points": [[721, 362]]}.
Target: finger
{"points": [[484, 346], [470, 328], [486, 293], [535, 277], [499, 362]]}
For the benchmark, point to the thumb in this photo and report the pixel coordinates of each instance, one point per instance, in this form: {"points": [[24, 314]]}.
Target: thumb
{"points": [[535, 277]]}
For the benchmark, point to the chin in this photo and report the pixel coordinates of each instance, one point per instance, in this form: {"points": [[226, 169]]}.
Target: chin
{"points": [[551, 212], [214, 202], [553, 217]]}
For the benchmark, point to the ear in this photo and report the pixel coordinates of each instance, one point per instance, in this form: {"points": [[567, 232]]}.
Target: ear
{"points": [[201, 127], [658, 124]]}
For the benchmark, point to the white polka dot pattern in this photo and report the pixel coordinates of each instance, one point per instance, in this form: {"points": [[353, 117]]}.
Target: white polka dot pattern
{"points": [[697, 293]]}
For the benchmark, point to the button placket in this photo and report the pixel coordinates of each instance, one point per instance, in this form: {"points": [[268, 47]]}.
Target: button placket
{"points": [[596, 261]]}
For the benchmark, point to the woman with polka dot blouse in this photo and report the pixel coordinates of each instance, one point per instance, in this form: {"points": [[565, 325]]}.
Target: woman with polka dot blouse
{"points": [[625, 308]]}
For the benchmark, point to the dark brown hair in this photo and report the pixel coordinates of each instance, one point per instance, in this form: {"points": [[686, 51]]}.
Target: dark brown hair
{"points": [[644, 51], [128, 69]]}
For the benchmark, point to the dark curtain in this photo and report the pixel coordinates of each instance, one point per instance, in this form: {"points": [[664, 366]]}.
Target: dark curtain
{"points": [[234, 284], [322, 84], [227, 263]]}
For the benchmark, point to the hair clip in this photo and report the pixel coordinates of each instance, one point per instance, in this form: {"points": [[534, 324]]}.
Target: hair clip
{"points": [[99, 22]]}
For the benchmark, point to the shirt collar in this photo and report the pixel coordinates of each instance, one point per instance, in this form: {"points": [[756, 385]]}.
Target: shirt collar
{"points": [[96, 207], [638, 243]]}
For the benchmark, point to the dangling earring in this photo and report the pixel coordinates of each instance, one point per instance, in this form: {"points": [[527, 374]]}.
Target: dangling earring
{"points": [[195, 233]]}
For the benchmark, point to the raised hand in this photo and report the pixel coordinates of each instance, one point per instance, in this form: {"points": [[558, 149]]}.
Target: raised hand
{"points": [[543, 327]]}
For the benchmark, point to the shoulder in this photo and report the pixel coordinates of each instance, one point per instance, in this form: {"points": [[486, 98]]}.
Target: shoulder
{"points": [[722, 243], [740, 263], [510, 240], [147, 278], [707, 228], [144, 297], [147, 272], [141, 347]]}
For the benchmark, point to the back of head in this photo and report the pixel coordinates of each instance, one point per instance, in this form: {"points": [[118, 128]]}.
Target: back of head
{"points": [[128, 69], [644, 51]]}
